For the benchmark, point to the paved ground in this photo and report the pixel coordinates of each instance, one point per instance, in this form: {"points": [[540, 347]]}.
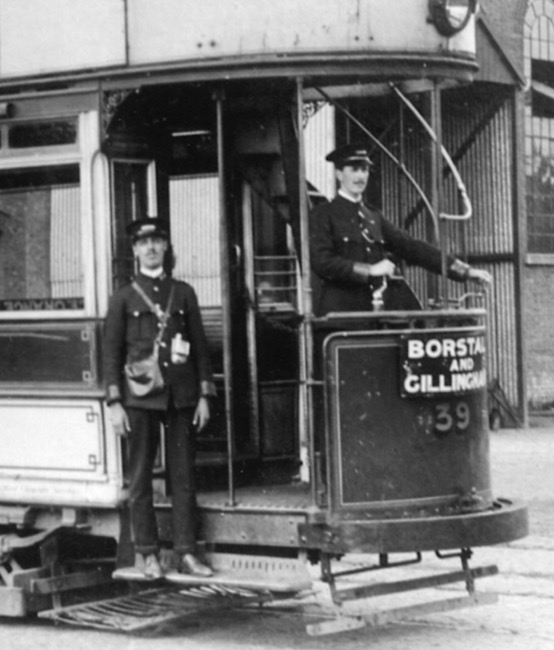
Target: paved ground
{"points": [[522, 466]]}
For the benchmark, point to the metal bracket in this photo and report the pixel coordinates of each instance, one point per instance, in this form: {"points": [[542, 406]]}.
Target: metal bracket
{"points": [[11, 542], [329, 577], [339, 622]]}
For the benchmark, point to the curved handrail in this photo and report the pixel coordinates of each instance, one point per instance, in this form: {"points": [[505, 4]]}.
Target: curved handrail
{"points": [[391, 156], [468, 208]]}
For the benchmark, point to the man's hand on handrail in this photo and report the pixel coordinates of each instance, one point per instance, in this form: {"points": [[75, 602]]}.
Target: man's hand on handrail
{"points": [[479, 275]]}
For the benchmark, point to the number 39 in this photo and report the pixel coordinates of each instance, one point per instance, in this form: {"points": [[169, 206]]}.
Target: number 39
{"points": [[449, 417]]}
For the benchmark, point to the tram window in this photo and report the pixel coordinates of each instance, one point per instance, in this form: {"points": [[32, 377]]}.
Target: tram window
{"points": [[40, 239], [42, 134]]}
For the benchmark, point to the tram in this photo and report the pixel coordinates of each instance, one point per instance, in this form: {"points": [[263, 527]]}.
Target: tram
{"points": [[361, 432]]}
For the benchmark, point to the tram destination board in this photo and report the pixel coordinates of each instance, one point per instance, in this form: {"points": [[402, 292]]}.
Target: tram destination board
{"points": [[434, 364]]}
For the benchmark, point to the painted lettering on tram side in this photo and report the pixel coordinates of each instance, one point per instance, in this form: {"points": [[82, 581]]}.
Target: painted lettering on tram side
{"points": [[41, 304], [434, 365]]}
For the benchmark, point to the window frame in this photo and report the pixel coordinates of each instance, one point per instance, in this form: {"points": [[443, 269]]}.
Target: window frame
{"points": [[55, 156], [538, 16]]}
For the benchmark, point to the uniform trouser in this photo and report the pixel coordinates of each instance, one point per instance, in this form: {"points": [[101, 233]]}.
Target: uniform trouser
{"points": [[143, 443]]}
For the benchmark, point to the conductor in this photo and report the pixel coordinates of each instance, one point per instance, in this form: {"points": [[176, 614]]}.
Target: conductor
{"points": [[350, 241], [158, 313]]}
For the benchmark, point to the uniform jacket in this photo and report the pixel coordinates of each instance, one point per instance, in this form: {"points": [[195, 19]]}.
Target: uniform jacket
{"points": [[130, 330], [336, 243]]}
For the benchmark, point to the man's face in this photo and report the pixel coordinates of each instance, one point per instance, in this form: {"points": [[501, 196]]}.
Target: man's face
{"points": [[150, 252], [353, 179]]}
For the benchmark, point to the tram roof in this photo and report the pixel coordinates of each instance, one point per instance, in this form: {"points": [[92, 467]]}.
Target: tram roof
{"points": [[125, 43]]}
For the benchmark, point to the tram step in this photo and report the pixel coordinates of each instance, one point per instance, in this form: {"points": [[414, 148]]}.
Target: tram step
{"points": [[275, 574], [259, 572]]}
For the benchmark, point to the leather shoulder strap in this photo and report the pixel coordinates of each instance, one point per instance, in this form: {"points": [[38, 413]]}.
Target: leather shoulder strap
{"points": [[161, 316], [136, 286]]}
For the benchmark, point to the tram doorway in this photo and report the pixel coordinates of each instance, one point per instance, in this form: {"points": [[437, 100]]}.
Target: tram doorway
{"points": [[222, 173]]}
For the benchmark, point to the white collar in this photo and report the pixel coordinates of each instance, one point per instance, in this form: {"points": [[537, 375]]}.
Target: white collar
{"points": [[348, 197], [154, 273]]}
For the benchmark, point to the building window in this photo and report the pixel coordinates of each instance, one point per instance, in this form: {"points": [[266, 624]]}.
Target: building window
{"points": [[539, 126]]}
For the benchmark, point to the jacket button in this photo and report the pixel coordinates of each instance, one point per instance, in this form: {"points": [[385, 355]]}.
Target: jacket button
{"points": [[165, 364]]}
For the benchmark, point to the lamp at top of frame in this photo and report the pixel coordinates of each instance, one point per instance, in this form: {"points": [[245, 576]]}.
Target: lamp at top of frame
{"points": [[451, 16]]}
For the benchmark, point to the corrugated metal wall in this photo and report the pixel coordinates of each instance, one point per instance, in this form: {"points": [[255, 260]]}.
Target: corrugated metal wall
{"points": [[477, 132], [487, 167], [482, 134]]}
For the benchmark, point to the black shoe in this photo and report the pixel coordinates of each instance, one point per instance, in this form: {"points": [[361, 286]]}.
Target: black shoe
{"points": [[193, 566]]}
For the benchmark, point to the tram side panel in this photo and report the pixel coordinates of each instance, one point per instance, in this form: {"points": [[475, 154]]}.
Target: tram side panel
{"points": [[58, 450], [407, 442], [397, 453]]}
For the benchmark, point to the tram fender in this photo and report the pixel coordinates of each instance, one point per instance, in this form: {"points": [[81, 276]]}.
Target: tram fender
{"points": [[506, 522]]}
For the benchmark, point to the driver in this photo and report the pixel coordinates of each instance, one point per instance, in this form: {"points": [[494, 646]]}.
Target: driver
{"points": [[350, 241]]}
